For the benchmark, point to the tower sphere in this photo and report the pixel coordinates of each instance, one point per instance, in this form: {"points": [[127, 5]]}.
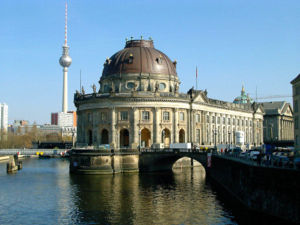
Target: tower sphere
{"points": [[65, 61]]}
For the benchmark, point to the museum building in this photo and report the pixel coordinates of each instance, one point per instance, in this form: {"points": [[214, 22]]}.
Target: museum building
{"points": [[139, 104]]}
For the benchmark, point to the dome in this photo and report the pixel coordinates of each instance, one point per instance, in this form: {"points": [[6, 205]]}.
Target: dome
{"points": [[244, 98], [139, 57]]}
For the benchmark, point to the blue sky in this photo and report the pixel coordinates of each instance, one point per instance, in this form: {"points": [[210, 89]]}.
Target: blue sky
{"points": [[231, 41]]}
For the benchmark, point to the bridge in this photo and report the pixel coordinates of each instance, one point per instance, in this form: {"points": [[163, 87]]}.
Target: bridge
{"points": [[29, 152]]}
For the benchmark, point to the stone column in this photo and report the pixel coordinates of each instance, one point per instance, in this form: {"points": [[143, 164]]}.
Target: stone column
{"points": [[176, 134], [113, 129], [156, 121], [135, 120]]}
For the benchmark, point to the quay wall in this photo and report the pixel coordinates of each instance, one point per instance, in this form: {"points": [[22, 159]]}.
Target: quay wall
{"points": [[273, 191]]}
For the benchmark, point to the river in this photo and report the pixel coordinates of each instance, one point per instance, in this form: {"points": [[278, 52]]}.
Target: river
{"points": [[44, 192]]}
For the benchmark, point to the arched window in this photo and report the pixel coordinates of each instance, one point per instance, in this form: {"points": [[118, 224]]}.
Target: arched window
{"points": [[104, 136], [124, 138]]}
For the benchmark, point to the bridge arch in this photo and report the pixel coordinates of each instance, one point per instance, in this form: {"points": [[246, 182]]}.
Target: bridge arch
{"points": [[163, 161]]}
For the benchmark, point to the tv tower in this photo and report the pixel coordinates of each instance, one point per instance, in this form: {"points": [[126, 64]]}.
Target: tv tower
{"points": [[65, 61]]}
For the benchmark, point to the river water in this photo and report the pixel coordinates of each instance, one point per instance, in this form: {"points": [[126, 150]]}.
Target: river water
{"points": [[44, 192]]}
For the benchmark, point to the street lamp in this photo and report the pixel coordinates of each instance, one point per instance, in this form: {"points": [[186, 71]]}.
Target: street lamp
{"points": [[215, 133], [229, 133], [140, 140]]}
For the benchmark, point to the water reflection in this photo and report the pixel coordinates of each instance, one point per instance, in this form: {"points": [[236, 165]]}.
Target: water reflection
{"points": [[159, 198], [44, 192]]}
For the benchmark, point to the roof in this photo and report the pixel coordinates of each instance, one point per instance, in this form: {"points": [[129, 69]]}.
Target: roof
{"points": [[295, 80], [139, 56], [274, 108]]}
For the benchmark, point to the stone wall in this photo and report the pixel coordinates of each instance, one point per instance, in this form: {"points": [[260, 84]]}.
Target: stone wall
{"points": [[273, 191]]}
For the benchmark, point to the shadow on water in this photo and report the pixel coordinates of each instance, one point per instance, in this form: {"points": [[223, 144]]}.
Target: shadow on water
{"points": [[240, 214]]}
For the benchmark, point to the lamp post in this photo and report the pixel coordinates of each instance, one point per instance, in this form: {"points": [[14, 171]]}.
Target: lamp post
{"points": [[215, 133], [163, 137], [140, 140], [229, 133]]}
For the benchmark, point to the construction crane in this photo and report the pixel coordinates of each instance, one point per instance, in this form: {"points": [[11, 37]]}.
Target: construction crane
{"points": [[274, 96]]}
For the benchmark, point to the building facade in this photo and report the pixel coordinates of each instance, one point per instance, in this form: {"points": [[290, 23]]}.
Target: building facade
{"points": [[139, 104], [296, 100], [278, 122], [3, 117]]}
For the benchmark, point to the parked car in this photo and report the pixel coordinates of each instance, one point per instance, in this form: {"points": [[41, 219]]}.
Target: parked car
{"points": [[252, 154]]}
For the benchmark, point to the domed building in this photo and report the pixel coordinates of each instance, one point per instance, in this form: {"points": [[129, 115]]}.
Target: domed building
{"points": [[244, 98], [139, 104]]}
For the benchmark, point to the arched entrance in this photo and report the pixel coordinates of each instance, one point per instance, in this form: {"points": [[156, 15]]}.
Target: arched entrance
{"points": [[166, 137], [124, 138], [104, 136], [181, 136], [90, 137], [145, 138]]}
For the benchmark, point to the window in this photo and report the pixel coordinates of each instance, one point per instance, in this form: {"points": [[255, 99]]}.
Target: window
{"points": [[207, 118], [103, 116], [162, 86], [224, 120], [213, 119], [247, 123], [166, 116], [181, 116], [233, 121], [219, 120], [296, 106], [124, 115], [130, 85], [242, 122], [145, 115], [89, 117], [238, 122], [228, 121], [250, 122], [198, 118]]}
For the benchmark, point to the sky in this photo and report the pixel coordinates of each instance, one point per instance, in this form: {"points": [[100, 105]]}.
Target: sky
{"points": [[232, 42]]}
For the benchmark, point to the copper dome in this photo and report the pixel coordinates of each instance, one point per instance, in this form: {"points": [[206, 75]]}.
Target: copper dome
{"points": [[139, 56]]}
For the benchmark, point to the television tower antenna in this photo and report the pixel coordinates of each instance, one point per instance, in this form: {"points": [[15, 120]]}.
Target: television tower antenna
{"points": [[65, 61]]}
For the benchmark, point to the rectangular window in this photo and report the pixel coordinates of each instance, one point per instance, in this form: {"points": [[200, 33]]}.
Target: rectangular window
{"points": [[233, 121], [213, 119], [237, 122], [224, 120], [250, 122], [219, 120], [242, 122], [145, 115], [247, 123], [89, 117], [103, 116], [207, 119], [181, 116], [296, 106], [166, 116], [124, 115], [228, 121], [198, 118]]}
